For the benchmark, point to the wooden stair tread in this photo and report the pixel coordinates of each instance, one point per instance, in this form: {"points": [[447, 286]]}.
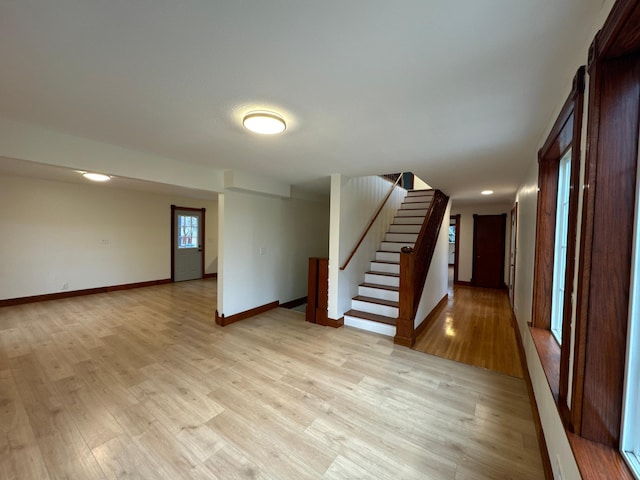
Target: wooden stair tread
{"points": [[377, 301], [386, 274], [381, 287], [387, 262], [372, 317]]}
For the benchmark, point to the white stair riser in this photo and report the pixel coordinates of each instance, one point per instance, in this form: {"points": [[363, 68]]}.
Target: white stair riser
{"points": [[382, 328], [380, 293], [401, 237], [388, 257], [375, 308], [382, 280], [410, 206], [408, 220], [405, 228], [417, 198], [385, 267], [412, 213], [395, 247]]}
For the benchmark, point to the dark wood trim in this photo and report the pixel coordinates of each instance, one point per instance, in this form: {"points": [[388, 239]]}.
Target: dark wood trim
{"points": [[549, 353], [606, 249], [598, 461], [79, 293], [201, 234], [371, 222], [542, 443], [210, 275], [224, 321], [503, 239], [513, 225], [456, 256], [463, 283], [294, 303], [619, 35], [331, 322]]}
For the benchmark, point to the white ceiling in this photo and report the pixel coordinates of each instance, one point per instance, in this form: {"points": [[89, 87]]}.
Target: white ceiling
{"points": [[458, 92]]}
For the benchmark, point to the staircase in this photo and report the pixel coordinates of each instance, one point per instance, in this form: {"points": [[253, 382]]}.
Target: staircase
{"points": [[375, 308]]}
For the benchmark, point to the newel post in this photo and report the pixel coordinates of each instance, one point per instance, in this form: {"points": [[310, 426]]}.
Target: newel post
{"points": [[404, 325]]}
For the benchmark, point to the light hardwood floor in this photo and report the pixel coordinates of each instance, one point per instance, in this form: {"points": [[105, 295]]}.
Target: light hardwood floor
{"points": [[142, 384], [476, 328]]}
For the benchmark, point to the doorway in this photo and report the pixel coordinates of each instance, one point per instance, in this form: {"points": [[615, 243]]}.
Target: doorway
{"points": [[513, 235], [488, 250], [454, 245], [187, 245]]}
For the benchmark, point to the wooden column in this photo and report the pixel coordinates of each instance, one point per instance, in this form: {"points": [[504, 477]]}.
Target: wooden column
{"points": [[318, 291], [404, 325]]}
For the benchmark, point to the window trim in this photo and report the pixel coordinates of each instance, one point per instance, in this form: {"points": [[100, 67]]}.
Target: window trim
{"points": [[566, 133]]}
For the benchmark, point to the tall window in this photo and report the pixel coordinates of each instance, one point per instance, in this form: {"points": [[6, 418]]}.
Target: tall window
{"points": [[560, 250], [630, 441]]}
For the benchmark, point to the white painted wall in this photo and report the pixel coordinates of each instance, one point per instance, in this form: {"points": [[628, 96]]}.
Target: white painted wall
{"points": [[465, 243], [53, 234], [558, 446], [265, 245], [36, 144], [436, 284], [353, 204]]}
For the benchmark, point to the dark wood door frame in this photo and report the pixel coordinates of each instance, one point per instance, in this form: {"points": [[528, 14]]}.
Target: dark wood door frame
{"points": [[513, 234], [173, 236], [456, 257]]}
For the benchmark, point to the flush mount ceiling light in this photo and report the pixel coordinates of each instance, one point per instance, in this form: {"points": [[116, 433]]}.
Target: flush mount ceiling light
{"points": [[96, 177], [487, 192], [264, 123]]}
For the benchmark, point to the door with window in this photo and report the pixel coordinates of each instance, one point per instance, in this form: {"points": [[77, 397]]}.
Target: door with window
{"points": [[187, 243]]}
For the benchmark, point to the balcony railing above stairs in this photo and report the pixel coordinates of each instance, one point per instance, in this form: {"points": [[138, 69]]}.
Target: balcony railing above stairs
{"points": [[414, 266]]}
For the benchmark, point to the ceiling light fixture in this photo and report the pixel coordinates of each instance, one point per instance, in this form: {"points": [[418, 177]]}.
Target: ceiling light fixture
{"points": [[487, 192], [96, 177], [264, 123]]}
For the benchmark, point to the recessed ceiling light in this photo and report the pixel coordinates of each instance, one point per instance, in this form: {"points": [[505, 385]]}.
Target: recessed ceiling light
{"points": [[96, 177], [264, 123], [487, 192]]}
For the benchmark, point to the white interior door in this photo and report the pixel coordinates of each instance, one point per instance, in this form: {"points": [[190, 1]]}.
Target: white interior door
{"points": [[187, 245]]}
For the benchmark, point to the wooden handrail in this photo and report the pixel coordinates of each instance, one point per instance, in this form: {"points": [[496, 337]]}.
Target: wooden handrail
{"points": [[414, 266], [366, 230]]}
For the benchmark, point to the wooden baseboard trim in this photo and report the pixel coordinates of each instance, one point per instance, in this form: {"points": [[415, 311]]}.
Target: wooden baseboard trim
{"points": [[224, 321], [331, 322], [430, 317], [463, 283], [79, 293], [410, 341], [210, 275], [294, 303], [403, 341], [542, 443]]}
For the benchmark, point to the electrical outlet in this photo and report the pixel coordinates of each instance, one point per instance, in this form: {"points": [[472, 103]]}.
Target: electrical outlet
{"points": [[105, 241]]}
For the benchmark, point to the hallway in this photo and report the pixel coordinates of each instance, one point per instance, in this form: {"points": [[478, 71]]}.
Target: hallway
{"points": [[476, 327]]}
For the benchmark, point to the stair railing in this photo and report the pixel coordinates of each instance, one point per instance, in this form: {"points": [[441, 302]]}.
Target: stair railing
{"points": [[414, 266], [373, 219]]}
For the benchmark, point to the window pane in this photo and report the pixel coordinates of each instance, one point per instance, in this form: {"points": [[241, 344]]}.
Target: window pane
{"points": [[630, 441], [187, 231], [560, 249]]}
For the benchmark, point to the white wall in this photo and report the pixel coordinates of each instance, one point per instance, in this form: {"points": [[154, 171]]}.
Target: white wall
{"points": [[436, 284], [465, 242], [265, 245], [354, 203], [53, 235]]}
